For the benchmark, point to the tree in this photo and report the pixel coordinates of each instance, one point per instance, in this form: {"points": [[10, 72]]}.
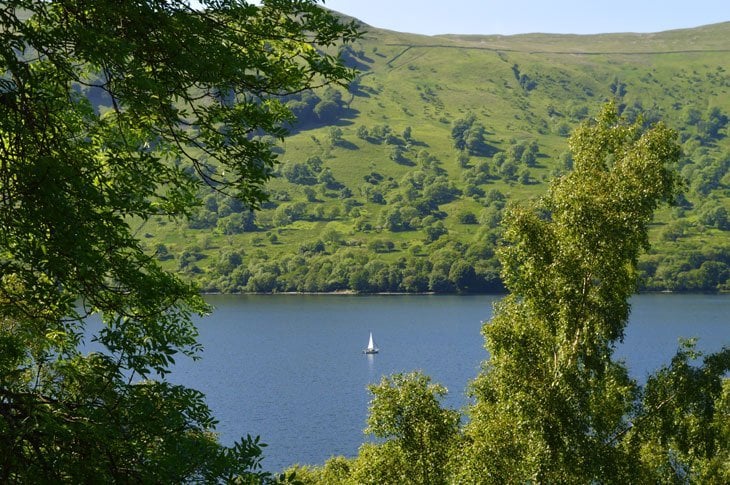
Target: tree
{"points": [[715, 216], [326, 110], [459, 131], [467, 217], [551, 404], [683, 430], [299, 173], [362, 132], [228, 261], [406, 411], [397, 154], [508, 170], [236, 223], [335, 136], [463, 276], [435, 231], [310, 194], [468, 135], [407, 134], [332, 236], [184, 91], [716, 121], [528, 158]]}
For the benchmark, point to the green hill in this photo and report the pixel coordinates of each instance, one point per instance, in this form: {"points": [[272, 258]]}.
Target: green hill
{"points": [[398, 183]]}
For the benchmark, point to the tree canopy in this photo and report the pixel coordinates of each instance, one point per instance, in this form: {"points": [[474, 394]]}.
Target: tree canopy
{"points": [[181, 95], [551, 399], [551, 403]]}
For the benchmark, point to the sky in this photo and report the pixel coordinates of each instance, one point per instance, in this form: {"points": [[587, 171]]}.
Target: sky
{"points": [[507, 17]]}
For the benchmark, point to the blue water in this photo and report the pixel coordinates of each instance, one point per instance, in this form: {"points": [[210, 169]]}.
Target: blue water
{"points": [[290, 367]]}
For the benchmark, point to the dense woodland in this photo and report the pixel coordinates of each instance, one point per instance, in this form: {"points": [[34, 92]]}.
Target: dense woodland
{"points": [[139, 143], [399, 183]]}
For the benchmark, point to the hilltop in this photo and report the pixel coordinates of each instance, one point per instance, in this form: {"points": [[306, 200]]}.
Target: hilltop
{"points": [[398, 182]]}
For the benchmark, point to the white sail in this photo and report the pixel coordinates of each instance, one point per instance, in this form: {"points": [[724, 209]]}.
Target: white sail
{"points": [[371, 348]]}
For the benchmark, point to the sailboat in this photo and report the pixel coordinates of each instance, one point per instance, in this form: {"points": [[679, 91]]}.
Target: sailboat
{"points": [[371, 348]]}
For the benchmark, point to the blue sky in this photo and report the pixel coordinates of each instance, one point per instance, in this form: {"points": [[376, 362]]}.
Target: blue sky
{"points": [[507, 17]]}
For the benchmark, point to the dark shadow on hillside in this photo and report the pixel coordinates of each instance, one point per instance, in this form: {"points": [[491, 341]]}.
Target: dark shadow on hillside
{"points": [[355, 63], [343, 117], [405, 162], [418, 143], [362, 91], [347, 145], [484, 150], [355, 59], [357, 92]]}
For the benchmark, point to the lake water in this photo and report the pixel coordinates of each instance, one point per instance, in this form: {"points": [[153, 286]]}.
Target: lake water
{"points": [[290, 368]]}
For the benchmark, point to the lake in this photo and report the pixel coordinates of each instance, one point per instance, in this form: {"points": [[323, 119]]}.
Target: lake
{"points": [[290, 368]]}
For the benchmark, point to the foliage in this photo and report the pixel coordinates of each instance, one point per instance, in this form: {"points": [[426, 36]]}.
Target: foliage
{"points": [[551, 404], [419, 433], [454, 80], [310, 109], [524, 80], [469, 135], [299, 173], [681, 428], [180, 93]]}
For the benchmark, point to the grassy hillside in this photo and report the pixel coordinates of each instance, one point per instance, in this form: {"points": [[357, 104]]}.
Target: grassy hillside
{"points": [[398, 183]]}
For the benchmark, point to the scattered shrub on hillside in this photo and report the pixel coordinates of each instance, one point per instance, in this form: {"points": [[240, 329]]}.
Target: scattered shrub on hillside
{"points": [[525, 81], [716, 216], [312, 247], [298, 173], [563, 129], [162, 253], [435, 231], [469, 136], [203, 219], [381, 246], [467, 218], [236, 223]]}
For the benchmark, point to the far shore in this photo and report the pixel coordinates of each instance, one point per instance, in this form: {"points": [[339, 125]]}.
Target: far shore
{"points": [[403, 293]]}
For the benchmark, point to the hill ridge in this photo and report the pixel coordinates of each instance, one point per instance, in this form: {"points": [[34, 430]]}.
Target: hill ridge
{"points": [[586, 53]]}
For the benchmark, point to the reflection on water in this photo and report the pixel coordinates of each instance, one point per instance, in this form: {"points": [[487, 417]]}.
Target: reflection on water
{"points": [[371, 367]]}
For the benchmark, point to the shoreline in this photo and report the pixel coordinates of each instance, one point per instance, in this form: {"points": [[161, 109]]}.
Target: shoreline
{"points": [[433, 293]]}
